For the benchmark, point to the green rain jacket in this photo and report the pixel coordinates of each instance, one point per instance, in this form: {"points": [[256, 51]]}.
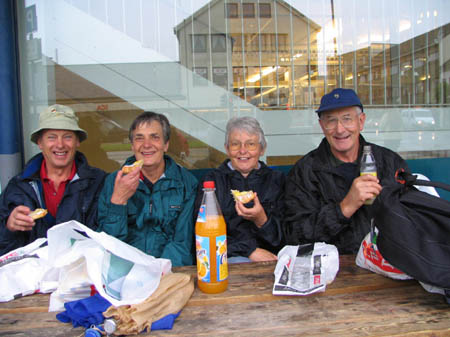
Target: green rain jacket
{"points": [[160, 223]]}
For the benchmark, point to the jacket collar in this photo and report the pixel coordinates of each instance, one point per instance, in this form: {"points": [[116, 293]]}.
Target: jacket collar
{"points": [[225, 168]]}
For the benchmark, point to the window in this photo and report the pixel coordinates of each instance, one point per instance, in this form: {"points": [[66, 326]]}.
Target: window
{"points": [[264, 11], [199, 43], [231, 11], [248, 10], [198, 80], [220, 77], [219, 44]]}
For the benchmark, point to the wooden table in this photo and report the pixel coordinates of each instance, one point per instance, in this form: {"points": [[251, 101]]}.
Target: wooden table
{"points": [[357, 303]]}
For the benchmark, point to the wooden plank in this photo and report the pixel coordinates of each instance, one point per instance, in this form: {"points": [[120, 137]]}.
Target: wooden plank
{"points": [[356, 303], [379, 313]]}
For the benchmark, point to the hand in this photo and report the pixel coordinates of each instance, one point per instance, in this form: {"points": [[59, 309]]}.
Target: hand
{"points": [[260, 254], [256, 214], [125, 186], [363, 188], [19, 220]]}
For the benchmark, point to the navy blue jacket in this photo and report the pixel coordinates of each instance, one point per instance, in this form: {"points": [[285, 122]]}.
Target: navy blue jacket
{"points": [[79, 201], [243, 236], [314, 190]]}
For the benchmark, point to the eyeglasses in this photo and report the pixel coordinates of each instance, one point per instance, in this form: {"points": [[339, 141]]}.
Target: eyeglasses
{"points": [[249, 146], [347, 121]]}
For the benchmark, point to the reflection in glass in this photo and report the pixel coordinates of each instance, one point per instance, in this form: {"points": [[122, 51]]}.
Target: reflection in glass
{"points": [[201, 62]]}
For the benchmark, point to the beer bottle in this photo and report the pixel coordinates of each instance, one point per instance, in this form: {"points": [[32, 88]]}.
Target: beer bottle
{"points": [[368, 166]]}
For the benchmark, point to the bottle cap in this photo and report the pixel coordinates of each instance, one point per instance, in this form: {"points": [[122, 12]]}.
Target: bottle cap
{"points": [[110, 326], [367, 148], [209, 184]]}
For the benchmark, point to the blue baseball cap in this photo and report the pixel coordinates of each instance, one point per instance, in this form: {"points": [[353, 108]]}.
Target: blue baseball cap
{"points": [[339, 98]]}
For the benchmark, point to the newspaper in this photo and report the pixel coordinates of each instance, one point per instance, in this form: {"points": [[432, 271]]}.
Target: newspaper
{"points": [[305, 269]]}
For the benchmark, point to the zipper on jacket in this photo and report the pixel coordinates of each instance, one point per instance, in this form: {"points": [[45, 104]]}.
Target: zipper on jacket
{"points": [[150, 208]]}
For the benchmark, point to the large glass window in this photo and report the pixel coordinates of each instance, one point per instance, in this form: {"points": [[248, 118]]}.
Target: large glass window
{"points": [[201, 62]]}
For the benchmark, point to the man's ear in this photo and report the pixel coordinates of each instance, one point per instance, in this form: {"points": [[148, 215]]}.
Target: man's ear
{"points": [[362, 120]]}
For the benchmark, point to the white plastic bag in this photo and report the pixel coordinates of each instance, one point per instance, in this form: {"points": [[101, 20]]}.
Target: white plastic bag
{"points": [[305, 269], [22, 270], [121, 273], [370, 258]]}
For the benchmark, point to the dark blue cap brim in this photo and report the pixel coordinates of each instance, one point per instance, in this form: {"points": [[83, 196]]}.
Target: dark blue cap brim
{"points": [[337, 106]]}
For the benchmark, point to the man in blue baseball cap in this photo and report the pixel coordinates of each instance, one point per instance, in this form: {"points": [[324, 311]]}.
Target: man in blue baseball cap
{"points": [[325, 193]]}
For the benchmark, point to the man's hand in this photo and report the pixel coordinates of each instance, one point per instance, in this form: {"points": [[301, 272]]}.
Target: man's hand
{"points": [[19, 220], [125, 186], [363, 188], [260, 254], [256, 214]]}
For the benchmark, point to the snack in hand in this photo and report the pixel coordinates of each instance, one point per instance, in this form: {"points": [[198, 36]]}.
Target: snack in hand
{"points": [[38, 213], [244, 196], [128, 168]]}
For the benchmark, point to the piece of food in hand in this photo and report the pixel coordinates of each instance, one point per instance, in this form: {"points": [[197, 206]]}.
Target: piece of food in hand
{"points": [[38, 213], [244, 196], [128, 168]]}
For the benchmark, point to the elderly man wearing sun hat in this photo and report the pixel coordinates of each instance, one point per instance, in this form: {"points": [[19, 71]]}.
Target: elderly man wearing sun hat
{"points": [[325, 193], [58, 180]]}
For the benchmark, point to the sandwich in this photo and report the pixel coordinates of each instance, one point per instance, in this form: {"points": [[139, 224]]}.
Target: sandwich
{"points": [[244, 196], [38, 213], [129, 168]]}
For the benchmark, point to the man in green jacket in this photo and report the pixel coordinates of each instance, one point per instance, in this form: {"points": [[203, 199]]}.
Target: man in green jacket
{"points": [[151, 207]]}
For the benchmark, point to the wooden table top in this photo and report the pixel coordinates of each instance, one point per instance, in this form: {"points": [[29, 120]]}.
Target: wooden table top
{"points": [[357, 303]]}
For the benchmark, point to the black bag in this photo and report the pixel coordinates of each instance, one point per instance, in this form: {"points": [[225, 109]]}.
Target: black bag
{"points": [[414, 230]]}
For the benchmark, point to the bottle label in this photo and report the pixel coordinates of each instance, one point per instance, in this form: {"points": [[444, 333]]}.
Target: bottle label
{"points": [[371, 173], [203, 254], [371, 200], [201, 214], [221, 257]]}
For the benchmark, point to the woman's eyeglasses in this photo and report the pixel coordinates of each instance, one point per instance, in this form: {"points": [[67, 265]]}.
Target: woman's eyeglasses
{"points": [[249, 146]]}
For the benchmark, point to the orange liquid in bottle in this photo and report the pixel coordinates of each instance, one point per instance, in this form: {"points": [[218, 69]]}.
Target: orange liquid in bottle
{"points": [[211, 247]]}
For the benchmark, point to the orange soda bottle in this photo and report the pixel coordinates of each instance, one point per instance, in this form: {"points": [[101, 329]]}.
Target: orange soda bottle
{"points": [[211, 244]]}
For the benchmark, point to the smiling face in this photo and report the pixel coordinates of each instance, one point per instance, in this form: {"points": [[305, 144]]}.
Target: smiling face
{"points": [[148, 145], [58, 148], [343, 140], [244, 151]]}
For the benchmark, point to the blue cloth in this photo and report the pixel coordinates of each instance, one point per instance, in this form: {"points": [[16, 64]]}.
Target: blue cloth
{"points": [[85, 312], [89, 311], [165, 323]]}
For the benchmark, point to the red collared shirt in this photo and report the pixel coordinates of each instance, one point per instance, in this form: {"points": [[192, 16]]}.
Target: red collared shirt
{"points": [[53, 197]]}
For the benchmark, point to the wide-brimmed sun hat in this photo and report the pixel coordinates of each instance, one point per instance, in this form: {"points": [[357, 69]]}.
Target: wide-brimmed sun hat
{"points": [[339, 98], [58, 117]]}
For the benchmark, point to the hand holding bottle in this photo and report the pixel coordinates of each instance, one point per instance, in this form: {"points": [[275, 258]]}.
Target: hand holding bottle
{"points": [[365, 187]]}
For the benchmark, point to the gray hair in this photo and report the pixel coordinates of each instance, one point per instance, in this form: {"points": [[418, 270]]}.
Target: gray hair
{"points": [[247, 124], [148, 117]]}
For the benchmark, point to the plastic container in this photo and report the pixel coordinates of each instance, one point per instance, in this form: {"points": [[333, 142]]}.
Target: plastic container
{"points": [[92, 333], [368, 166], [211, 244]]}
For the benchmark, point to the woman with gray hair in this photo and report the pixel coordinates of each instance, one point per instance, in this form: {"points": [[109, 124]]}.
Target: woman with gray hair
{"points": [[253, 229]]}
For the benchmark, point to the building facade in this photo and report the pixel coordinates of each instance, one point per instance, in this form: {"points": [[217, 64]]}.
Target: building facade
{"points": [[201, 62]]}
